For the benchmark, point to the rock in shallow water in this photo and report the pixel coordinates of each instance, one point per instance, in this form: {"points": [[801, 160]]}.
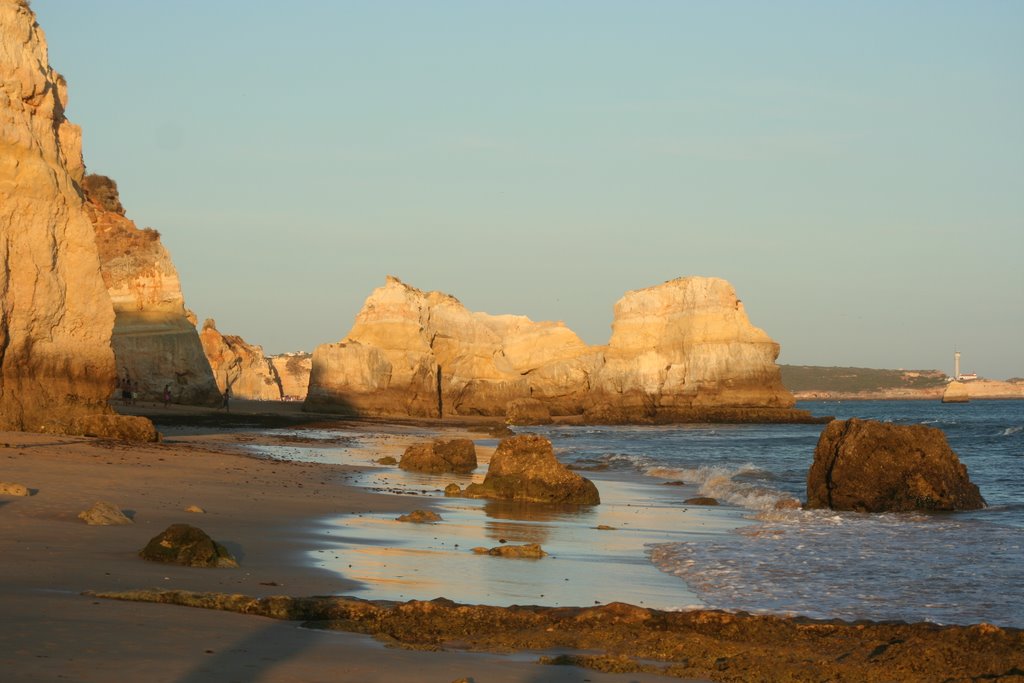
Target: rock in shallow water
{"points": [[531, 551], [524, 468], [871, 466], [454, 455], [420, 517]]}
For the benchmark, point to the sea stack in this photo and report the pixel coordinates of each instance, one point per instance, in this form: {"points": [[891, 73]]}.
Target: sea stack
{"points": [[683, 351], [155, 343], [56, 362], [240, 366]]}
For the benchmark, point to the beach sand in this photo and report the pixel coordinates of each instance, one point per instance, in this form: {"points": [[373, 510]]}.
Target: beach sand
{"points": [[263, 511]]}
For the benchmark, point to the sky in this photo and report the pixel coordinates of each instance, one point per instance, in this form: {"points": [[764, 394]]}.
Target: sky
{"points": [[854, 169]]}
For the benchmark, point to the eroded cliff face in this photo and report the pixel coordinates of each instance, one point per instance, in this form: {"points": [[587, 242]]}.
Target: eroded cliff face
{"points": [[293, 373], [56, 362], [240, 366], [681, 351], [409, 348], [682, 348], [155, 343]]}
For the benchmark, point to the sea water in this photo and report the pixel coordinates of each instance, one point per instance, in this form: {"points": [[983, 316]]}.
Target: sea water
{"points": [[963, 567], [948, 568]]}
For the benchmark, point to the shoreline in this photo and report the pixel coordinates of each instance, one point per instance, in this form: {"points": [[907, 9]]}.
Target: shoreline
{"points": [[251, 506]]}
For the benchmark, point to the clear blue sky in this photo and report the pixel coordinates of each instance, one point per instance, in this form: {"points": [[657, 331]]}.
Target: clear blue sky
{"points": [[855, 169]]}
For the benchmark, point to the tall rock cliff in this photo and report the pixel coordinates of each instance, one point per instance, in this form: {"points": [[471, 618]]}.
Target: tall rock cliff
{"points": [[155, 344], [240, 366], [682, 351], [56, 362], [293, 372], [420, 353]]}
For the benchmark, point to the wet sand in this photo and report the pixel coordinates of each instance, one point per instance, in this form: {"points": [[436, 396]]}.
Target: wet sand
{"points": [[263, 511]]}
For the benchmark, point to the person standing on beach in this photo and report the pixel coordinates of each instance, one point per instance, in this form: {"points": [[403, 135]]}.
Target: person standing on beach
{"points": [[227, 397], [167, 395], [126, 390]]}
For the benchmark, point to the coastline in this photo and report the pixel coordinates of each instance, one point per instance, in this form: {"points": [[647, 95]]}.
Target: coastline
{"points": [[50, 629]]}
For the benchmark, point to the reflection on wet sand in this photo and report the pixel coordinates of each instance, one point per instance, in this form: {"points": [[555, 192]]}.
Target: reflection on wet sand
{"points": [[401, 561]]}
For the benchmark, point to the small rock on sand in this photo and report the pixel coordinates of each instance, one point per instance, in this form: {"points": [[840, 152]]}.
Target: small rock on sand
{"points": [[452, 489], [420, 517], [605, 527], [787, 504], [386, 460], [9, 489], [103, 513], [187, 545], [701, 500], [195, 508]]}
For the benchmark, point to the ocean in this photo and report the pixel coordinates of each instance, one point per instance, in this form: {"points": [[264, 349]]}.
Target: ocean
{"points": [[948, 568], [656, 550]]}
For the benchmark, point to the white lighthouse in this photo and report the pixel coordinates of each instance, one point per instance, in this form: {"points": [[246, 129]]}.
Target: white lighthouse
{"points": [[956, 365]]}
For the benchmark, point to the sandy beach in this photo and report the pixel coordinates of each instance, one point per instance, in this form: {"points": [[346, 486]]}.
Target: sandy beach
{"points": [[261, 510], [274, 516]]}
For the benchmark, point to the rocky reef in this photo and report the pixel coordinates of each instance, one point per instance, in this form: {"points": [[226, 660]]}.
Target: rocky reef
{"points": [[681, 351], [871, 466], [56, 362], [155, 343], [688, 644], [240, 366]]}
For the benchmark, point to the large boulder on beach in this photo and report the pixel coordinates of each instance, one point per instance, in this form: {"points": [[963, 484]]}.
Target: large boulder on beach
{"points": [[524, 468], [871, 466], [117, 427], [187, 545], [440, 455]]}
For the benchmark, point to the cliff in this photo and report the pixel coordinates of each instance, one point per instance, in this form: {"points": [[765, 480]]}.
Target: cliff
{"points": [[293, 373], [56, 362], [239, 365], [155, 343], [682, 351]]}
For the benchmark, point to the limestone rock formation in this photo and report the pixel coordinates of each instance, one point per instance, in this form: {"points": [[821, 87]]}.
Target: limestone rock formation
{"points": [[293, 372], [527, 411], [56, 361], [155, 343], [956, 392], [524, 468], [187, 545], [682, 351], [871, 466], [682, 348], [454, 455], [239, 365], [420, 353]]}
